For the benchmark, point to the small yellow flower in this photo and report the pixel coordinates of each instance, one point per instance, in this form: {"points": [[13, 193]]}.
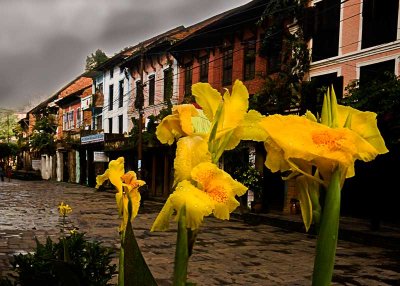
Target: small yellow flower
{"points": [[74, 231], [127, 186], [64, 209], [210, 191]]}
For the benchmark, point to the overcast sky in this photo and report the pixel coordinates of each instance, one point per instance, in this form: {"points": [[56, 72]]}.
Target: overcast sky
{"points": [[44, 43]]}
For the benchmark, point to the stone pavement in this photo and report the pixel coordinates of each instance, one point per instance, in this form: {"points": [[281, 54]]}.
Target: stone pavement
{"points": [[226, 253]]}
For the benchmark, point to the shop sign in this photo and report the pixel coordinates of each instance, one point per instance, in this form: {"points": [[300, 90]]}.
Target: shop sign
{"points": [[92, 138], [100, 157]]}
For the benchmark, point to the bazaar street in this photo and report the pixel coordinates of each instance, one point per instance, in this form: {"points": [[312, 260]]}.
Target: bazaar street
{"points": [[226, 253]]}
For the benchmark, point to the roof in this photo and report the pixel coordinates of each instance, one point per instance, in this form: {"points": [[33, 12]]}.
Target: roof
{"points": [[212, 27], [128, 52]]}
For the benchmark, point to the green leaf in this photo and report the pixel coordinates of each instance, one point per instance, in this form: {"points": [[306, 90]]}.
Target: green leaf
{"points": [[347, 124], [334, 109], [135, 269], [182, 251], [302, 185]]}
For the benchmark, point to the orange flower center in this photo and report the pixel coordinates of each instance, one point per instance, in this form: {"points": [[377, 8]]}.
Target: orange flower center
{"points": [[218, 194], [327, 140]]}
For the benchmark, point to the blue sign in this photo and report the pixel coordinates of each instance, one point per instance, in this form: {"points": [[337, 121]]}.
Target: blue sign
{"points": [[92, 138]]}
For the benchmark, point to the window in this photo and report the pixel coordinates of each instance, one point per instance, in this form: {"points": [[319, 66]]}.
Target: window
{"points": [[71, 123], [110, 125], [204, 69], [319, 84], [188, 81], [65, 120], [376, 71], [99, 88], [274, 52], [249, 70], [121, 93], [111, 97], [379, 24], [121, 69], [78, 118], [120, 124], [151, 89], [97, 121], [326, 30], [168, 84], [139, 100], [111, 73], [227, 64]]}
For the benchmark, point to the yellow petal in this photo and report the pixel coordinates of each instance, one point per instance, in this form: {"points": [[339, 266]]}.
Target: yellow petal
{"points": [[198, 204], [120, 204], [248, 129], [169, 129], [131, 182], [185, 113], [235, 105], [100, 179], [218, 184], [176, 125], [223, 210], [116, 171], [162, 221], [365, 124], [201, 124], [324, 147], [190, 151], [310, 116], [207, 97]]}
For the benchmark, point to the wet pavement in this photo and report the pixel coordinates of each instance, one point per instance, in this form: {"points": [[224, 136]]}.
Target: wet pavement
{"points": [[226, 252]]}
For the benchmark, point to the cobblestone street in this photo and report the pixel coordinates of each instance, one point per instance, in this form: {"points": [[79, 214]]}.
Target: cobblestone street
{"points": [[226, 253]]}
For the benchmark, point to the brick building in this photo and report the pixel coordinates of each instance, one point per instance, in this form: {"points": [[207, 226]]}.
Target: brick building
{"points": [[70, 123]]}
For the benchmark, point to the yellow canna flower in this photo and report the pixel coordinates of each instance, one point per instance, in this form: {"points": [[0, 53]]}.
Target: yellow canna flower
{"points": [[176, 125], [227, 113], [210, 191], [64, 209], [114, 173], [127, 186], [297, 141]]}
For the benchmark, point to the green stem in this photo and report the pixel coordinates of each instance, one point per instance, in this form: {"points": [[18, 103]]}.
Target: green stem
{"points": [[182, 251], [328, 234], [121, 261]]}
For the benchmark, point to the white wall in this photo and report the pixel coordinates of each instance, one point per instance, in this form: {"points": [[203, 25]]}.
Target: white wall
{"points": [[116, 110]]}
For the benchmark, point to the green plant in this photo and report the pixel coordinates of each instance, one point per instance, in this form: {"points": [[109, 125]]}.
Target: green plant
{"points": [[90, 264], [252, 179]]}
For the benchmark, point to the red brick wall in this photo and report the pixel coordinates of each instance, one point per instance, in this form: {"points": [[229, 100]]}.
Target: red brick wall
{"points": [[215, 67]]}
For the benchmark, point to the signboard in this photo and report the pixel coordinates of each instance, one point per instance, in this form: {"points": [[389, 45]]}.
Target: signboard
{"points": [[100, 157], [36, 164], [86, 102], [92, 138]]}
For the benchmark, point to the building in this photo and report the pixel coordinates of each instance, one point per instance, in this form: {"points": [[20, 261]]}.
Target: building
{"points": [[353, 40], [70, 123]]}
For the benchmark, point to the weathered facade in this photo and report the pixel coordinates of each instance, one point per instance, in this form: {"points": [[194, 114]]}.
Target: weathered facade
{"points": [[70, 122]]}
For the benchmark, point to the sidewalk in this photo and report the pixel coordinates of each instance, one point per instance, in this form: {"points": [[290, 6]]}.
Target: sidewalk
{"points": [[350, 229]]}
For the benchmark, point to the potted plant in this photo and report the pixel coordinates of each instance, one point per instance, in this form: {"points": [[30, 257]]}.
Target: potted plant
{"points": [[253, 180]]}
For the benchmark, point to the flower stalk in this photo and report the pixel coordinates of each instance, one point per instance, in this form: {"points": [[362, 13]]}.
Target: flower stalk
{"points": [[328, 234], [181, 251]]}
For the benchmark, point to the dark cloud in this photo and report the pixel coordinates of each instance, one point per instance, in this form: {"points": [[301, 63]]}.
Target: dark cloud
{"points": [[43, 45]]}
